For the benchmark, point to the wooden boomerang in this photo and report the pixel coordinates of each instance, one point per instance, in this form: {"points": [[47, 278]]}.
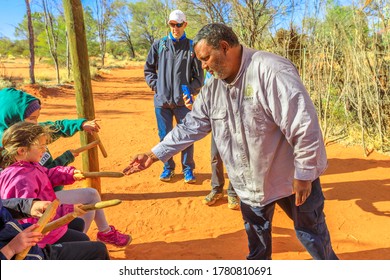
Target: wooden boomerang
{"points": [[87, 147], [101, 147], [46, 217]]}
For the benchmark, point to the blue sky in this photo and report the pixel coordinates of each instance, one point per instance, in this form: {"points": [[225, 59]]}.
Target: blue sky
{"points": [[12, 13]]}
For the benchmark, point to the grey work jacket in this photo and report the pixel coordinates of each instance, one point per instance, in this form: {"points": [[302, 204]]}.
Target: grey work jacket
{"points": [[265, 127]]}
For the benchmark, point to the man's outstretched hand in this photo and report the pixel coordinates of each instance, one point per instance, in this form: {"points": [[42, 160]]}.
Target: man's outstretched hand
{"points": [[140, 162]]}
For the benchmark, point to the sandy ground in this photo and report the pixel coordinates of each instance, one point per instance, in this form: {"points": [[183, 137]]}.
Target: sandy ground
{"points": [[168, 220]]}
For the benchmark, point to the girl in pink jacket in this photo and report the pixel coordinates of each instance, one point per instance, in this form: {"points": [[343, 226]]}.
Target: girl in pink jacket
{"points": [[23, 177]]}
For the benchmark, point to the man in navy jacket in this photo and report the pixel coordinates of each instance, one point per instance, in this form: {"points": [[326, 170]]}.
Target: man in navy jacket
{"points": [[171, 63]]}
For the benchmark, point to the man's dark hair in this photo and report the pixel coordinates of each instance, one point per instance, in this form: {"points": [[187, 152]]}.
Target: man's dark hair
{"points": [[213, 33]]}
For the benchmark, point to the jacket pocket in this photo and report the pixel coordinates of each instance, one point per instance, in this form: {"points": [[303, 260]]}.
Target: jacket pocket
{"points": [[254, 120], [219, 123]]}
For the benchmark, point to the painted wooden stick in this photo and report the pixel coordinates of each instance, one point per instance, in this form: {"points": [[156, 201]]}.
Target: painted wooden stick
{"points": [[46, 217], [101, 204], [59, 222], [98, 174], [101, 147], [86, 147]]}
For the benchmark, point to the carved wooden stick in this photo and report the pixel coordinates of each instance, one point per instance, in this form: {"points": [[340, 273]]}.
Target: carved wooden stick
{"points": [[101, 204], [46, 217], [59, 222], [98, 174], [101, 147], [86, 147]]}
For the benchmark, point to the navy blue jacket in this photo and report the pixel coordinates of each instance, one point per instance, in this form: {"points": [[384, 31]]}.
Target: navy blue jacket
{"points": [[170, 64], [10, 227]]}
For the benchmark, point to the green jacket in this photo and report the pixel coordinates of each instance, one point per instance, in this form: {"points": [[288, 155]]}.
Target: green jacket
{"points": [[13, 104]]}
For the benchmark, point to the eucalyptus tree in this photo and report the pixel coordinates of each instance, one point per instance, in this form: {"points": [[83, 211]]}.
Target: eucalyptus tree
{"points": [[252, 19], [31, 42], [104, 15], [149, 22], [122, 24]]}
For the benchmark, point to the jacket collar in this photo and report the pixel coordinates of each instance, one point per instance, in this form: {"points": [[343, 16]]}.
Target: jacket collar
{"points": [[174, 39]]}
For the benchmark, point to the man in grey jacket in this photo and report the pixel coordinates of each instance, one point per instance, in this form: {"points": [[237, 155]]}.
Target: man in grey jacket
{"points": [[171, 63], [267, 132]]}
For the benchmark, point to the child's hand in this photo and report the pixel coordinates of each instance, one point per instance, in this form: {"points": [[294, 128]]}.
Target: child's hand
{"points": [[21, 241], [187, 101], [91, 126], [78, 210], [38, 207], [78, 175]]}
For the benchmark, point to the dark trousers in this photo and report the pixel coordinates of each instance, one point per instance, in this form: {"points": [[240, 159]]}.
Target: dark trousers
{"points": [[164, 118], [309, 225], [80, 250], [74, 232], [217, 173]]}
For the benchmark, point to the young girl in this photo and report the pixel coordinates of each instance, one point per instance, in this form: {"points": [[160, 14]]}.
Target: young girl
{"points": [[16, 106], [23, 177]]}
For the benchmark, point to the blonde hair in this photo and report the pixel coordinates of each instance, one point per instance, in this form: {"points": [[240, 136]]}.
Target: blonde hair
{"points": [[21, 134]]}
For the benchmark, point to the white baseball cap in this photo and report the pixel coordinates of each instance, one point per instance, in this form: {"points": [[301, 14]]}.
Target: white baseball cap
{"points": [[177, 16]]}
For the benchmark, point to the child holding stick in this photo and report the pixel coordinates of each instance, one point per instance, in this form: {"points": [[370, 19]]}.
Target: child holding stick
{"points": [[16, 237], [23, 177]]}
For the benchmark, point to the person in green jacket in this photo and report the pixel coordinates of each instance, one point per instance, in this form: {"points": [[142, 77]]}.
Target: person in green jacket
{"points": [[16, 106]]}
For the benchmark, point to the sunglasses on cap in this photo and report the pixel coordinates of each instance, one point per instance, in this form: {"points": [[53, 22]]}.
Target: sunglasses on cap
{"points": [[176, 24]]}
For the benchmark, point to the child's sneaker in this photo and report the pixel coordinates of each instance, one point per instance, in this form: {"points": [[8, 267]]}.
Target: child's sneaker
{"points": [[114, 237]]}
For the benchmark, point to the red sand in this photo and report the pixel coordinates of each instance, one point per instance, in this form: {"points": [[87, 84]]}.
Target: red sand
{"points": [[168, 220]]}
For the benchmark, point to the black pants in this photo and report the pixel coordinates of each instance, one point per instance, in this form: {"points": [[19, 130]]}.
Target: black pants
{"points": [[309, 224], [78, 250], [74, 232]]}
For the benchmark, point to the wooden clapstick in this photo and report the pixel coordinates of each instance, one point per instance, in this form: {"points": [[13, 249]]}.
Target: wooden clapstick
{"points": [[59, 222], [46, 217], [101, 147], [86, 147], [101, 204], [98, 174]]}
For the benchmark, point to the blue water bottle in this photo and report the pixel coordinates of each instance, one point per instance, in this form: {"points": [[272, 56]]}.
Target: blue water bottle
{"points": [[187, 92]]}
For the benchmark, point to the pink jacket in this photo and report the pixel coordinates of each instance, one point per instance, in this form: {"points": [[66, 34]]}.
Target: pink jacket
{"points": [[31, 180]]}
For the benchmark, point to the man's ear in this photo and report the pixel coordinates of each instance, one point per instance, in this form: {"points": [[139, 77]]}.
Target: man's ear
{"points": [[225, 46]]}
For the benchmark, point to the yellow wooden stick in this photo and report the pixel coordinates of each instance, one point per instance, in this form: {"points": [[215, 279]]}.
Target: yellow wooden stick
{"points": [[59, 222], [101, 204], [98, 174], [46, 217]]}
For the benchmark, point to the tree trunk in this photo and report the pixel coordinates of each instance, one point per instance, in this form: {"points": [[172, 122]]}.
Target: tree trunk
{"points": [[52, 40], [31, 43]]}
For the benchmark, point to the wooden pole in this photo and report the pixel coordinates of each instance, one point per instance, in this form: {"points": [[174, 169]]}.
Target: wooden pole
{"points": [[74, 18]]}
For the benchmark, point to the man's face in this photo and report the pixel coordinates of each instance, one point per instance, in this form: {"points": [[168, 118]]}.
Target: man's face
{"points": [[177, 29], [213, 60]]}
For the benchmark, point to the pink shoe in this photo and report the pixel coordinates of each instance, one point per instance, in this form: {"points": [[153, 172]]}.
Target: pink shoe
{"points": [[114, 237]]}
